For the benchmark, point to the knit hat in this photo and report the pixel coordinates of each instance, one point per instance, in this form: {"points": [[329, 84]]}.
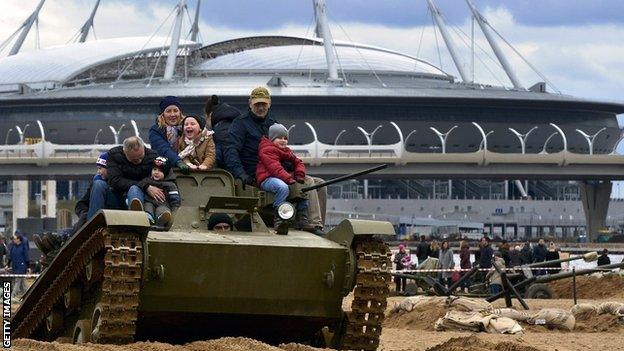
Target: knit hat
{"points": [[168, 101], [162, 164], [200, 120], [101, 161], [217, 218], [277, 130]]}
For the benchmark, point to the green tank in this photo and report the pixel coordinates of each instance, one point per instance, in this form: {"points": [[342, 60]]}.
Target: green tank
{"points": [[118, 281]]}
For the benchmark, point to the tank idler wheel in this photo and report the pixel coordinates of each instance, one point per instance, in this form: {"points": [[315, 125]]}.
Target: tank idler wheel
{"points": [[96, 323], [71, 298], [54, 321], [82, 332]]}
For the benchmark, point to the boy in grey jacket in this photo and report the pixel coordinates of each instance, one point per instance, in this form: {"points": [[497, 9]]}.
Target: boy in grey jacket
{"points": [[159, 211]]}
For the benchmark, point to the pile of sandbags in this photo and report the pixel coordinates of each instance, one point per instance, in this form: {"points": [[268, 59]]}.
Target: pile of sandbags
{"points": [[477, 322], [553, 318], [610, 307], [415, 302]]}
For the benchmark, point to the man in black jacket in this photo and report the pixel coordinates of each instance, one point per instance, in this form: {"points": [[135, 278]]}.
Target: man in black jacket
{"points": [[241, 154], [422, 250], [127, 166], [539, 255]]}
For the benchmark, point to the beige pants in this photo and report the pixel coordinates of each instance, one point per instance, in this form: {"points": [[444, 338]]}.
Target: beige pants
{"points": [[317, 202]]}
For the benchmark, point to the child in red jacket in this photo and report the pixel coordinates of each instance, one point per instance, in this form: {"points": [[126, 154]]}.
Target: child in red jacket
{"points": [[277, 167]]}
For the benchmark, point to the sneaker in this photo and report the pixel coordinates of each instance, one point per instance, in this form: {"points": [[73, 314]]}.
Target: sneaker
{"points": [[316, 231], [150, 217], [136, 205], [164, 218]]}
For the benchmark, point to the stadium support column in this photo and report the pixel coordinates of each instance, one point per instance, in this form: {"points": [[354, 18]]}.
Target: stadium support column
{"points": [[48, 199], [595, 197], [20, 201]]}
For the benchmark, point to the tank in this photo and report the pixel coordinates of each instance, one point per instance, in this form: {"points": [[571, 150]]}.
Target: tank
{"points": [[118, 280]]}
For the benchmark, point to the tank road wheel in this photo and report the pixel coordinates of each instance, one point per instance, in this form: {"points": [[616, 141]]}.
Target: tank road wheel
{"points": [[539, 291], [71, 298], [82, 332], [362, 326], [54, 322], [94, 270]]}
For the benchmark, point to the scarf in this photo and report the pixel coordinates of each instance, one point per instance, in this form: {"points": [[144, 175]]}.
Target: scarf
{"points": [[191, 144], [173, 133]]}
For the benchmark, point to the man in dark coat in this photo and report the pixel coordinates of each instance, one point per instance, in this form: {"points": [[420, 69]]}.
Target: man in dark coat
{"points": [[18, 256], [241, 153], [422, 250], [127, 166], [221, 116], [604, 258], [539, 255], [526, 256]]}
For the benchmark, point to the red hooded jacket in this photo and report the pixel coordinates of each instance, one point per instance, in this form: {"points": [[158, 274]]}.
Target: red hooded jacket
{"points": [[270, 158]]}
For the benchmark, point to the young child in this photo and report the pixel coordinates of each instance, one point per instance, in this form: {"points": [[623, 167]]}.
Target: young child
{"points": [[196, 148], [272, 176], [161, 178]]}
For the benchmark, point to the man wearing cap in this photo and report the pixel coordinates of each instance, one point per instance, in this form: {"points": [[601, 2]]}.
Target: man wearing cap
{"points": [[241, 154]]}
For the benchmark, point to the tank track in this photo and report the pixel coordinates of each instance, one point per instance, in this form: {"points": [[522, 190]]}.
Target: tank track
{"points": [[370, 296], [120, 286]]}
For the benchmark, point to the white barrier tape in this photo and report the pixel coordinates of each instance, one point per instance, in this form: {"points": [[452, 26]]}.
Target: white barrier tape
{"points": [[518, 268], [19, 275]]}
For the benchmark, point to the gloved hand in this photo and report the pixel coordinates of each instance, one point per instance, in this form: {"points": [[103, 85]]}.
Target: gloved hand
{"points": [[184, 168], [248, 180], [300, 180], [290, 181]]}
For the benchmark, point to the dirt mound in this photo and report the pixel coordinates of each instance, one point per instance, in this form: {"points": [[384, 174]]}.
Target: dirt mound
{"points": [[472, 343], [609, 286], [592, 322], [421, 318], [223, 344]]}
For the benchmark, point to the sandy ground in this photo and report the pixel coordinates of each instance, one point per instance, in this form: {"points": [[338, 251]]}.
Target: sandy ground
{"points": [[415, 332]]}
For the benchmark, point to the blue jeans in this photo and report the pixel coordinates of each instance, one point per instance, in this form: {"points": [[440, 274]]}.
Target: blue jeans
{"points": [[135, 193], [495, 288], [102, 197], [280, 189]]}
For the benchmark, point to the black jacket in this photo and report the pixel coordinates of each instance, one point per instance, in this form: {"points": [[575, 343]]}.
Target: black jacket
{"points": [[398, 260], [526, 256], [485, 260], [603, 260], [169, 187], [221, 119], [539, 253], [122, 174], [241, 154], [422, 251]]}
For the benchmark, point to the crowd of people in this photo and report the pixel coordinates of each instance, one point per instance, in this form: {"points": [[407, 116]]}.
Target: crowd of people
{"points": [[485, 256]]}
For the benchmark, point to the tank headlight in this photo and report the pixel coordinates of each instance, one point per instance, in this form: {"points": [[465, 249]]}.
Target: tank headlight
{"points": [[286, 211]]}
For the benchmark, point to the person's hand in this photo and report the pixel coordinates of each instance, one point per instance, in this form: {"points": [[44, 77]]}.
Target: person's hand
{"points": [[300, 180], [290, 181], [202, 167], [184, 168], [156, 193], [192, 166], [247, 180]]}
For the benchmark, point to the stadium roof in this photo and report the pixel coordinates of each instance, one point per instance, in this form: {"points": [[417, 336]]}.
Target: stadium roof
{"points": [[59, 64]]}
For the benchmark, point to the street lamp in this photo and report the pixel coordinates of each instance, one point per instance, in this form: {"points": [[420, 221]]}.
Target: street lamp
{"points": [[369, 136], [482, 141], [590, 138], [135, 127], [546, 142], [116, 132], [443, 136], [408, 136], [522, 137], [96, 140], [6, 138], [338, 136], [291, 127], [21, 132]]}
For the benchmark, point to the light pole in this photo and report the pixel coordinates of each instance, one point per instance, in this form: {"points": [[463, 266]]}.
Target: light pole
{"points": [[482, 142], [523, 137], [338, 137], [96, 140], [369, 136], [291, 127], [6, 138], [116, 132], [135, 127], [408, 136], [546, 142], [443, 136], [590, 138], [21, 132]]}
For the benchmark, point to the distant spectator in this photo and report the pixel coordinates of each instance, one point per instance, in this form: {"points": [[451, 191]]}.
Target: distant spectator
{"points": [[516, 256], [434, 249], [505, 254], [220, 222], [19, 262], [464, 262], [422, 250], [3, 252], [553, 254], [604, 258], [494, 278], [485, 259], [399, 261], [526, 256], [447, 263], [539, 255]]}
